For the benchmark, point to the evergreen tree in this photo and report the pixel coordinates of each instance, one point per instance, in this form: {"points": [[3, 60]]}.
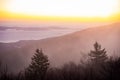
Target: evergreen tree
{"points": [[98, 54], [38, 67]]}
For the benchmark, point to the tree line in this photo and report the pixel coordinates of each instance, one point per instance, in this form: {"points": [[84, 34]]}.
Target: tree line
{"points": [[98, 67]]}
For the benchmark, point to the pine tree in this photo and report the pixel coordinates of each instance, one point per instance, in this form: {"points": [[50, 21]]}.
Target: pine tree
{"points": [[38, 67], [98, 54]]}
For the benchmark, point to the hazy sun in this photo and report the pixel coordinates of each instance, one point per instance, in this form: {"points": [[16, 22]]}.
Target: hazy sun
{"points": [[72, 8]]}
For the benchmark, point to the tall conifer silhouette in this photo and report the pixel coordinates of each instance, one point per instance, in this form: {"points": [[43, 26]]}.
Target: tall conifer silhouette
{"points": [[38, 67], [98, 54]]}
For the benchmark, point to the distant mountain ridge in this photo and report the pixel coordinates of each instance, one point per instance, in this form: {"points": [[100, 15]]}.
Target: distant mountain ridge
{"points": [[71, 47], [3, 28]]}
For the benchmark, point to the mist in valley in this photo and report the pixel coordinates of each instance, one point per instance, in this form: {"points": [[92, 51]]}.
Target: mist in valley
{"points": [[61, 49]]}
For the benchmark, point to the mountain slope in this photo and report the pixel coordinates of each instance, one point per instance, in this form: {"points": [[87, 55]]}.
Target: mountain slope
{"points": [[71, 47]]}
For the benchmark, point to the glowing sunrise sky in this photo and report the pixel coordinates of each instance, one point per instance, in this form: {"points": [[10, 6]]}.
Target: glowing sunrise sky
{"points": [[60, 9]]}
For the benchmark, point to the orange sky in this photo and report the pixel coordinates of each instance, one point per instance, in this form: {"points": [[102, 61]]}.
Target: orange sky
{"points": [[12, 14]]}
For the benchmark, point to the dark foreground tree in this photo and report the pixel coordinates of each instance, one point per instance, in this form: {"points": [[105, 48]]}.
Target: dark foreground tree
{"points": [[98, 54], [98, 59], [38, 67]]}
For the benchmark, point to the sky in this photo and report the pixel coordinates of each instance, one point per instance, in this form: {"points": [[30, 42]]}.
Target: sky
{"points": [[60, 10]]}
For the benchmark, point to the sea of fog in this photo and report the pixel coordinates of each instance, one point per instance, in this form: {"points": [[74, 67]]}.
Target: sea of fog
{"points": [[11, 35]]}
